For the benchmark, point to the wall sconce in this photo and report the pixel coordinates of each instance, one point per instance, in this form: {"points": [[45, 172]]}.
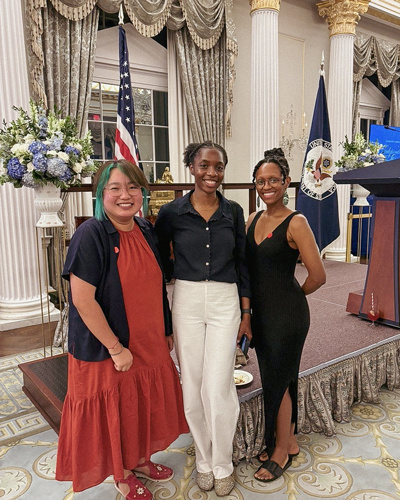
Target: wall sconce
{"points": [[287, 143]]}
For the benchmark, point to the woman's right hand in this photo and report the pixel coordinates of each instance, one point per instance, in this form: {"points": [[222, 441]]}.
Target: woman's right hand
{"points": [[123, 361]]}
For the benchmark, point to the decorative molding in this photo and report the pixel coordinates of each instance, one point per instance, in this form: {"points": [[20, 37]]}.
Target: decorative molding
{"points": [[383, 16], [342, 15], [264, 4]]}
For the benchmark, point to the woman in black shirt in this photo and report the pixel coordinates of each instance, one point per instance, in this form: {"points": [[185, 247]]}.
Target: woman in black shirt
{"points": [[207, 233]]}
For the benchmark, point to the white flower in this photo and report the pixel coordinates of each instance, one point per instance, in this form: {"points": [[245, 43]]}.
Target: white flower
{"points": [[19, 149], [78, 167], [63, 156], [29, 138], [77, 146], [52, 152], [30, 166]]}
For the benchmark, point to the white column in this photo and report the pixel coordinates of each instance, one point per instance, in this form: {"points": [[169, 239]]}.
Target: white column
{"points": [[20, 303], [342, 17], [340, 99], [264, 126]]}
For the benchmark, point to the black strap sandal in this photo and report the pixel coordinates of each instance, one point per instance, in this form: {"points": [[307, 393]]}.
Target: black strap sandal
{"points": [[269, 451], [275, 469]]}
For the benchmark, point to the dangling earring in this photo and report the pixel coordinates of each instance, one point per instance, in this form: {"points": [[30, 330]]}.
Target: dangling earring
{"points": [[285, 198], [258, 201]]}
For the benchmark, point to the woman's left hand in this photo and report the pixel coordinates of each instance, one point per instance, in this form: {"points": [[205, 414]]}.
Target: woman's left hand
{"points": [[244, 328], [170, 342]]}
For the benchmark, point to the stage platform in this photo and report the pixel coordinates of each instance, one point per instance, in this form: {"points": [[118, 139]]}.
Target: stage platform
{"points": [[345, 360]]}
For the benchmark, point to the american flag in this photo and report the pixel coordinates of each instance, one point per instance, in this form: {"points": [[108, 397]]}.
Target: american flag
{"points": [[126, 146]]}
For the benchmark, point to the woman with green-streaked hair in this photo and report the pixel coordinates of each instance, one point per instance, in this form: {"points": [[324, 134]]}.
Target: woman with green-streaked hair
{"points": [[124, 399]]}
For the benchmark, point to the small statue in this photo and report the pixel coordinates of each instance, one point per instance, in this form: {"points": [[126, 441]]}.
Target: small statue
{"points": [[166, 177], [159, 198]]}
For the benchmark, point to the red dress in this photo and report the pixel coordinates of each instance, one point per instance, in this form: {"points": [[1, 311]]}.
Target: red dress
{"points": [[111, 419]]}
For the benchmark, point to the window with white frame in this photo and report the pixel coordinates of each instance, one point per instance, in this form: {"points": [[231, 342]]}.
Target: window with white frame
{"points": [[151, 117]]}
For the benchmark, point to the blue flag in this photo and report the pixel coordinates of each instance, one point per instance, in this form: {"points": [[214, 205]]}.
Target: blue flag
{"points": [[317, 198]]}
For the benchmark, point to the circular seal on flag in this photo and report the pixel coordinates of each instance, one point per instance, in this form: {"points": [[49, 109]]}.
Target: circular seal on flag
{"points": [[316, 180]]}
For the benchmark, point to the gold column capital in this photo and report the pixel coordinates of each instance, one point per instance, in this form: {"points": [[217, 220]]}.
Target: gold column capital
{"points": [[342, 16], [264, 4]]}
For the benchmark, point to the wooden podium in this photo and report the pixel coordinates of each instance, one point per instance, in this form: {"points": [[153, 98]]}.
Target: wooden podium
{"points": [[383, 181]]}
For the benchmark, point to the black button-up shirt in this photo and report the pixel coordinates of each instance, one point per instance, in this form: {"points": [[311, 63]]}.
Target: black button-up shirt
{"points": [[203, 251]]}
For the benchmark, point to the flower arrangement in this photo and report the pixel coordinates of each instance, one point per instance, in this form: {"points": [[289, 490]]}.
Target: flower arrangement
{"points": [[39, 148], [359, 153]]}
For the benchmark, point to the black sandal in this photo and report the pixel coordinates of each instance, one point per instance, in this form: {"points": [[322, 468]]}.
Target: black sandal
{"points": [[275, 469]]}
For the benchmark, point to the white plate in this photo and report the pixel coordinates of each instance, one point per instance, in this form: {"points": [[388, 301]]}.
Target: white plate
{"points": [[242, 378]]}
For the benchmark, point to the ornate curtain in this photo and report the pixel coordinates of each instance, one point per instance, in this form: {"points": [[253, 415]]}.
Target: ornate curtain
{"points": [[207, 54], [212, 41], [202, 74], [377, 56]]}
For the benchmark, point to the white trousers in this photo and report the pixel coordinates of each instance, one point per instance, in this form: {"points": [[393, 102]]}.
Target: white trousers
{"points": [[206, 318]]}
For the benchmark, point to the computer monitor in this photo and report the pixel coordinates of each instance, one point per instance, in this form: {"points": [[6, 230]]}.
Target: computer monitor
{"points": [[389, 137]]}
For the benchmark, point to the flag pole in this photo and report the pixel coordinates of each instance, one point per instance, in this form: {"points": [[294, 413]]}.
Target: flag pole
{"points": [[321, 71], [121, 15]]}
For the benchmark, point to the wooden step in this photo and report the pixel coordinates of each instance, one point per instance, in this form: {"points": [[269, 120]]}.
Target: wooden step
{"points": [[45, 384]]}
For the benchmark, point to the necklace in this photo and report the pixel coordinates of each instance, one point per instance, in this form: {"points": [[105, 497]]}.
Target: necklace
{"points": [[205, 209]]}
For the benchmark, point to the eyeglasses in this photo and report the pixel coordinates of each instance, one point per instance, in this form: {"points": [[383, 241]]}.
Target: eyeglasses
{"points": [[273, 181], [115, 191]]}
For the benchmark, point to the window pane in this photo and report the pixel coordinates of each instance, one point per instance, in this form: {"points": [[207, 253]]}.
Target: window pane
{"points": [[160, 101], [110, 103], [142, 103], [145, 142], [162, 146], [148, 171], [95, 128], [94, 107], [364, 127], [109, 140]]}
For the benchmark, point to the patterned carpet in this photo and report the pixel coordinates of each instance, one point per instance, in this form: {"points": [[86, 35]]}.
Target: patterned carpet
{"points": [[362, 462]]}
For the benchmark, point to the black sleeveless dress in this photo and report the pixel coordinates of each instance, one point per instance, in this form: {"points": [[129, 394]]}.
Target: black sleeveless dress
{"points": [[280, 318]]}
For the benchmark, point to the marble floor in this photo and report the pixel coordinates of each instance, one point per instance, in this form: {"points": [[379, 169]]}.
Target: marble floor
{"points": [[361, 462]]}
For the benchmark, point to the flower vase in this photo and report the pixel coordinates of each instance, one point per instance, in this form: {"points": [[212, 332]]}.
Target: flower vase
{"points": [[360, 193], [48, 202]]}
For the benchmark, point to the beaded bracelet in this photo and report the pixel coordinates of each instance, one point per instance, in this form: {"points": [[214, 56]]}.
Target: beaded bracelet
{"points": [[116, 354], [113, 347]]}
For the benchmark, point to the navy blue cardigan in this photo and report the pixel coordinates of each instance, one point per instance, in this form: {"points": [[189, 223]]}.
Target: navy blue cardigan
{"points": [[92, 256]]}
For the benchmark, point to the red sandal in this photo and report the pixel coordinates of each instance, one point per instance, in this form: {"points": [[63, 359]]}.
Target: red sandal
{"points": [[137, 490], [159, 473]]}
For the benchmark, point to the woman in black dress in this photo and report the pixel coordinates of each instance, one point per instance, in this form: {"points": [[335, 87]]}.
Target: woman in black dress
{"points": [[275, 239]]}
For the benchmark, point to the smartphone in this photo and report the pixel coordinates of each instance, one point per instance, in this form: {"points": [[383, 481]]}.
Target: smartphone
{"points": [[244, 344]]}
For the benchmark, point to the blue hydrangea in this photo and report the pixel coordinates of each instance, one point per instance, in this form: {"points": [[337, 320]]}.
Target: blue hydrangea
{"points": [[66, 176], [56, 143], [15, 169], [39, 162], [71, 150], [43, 123], [37, 147], [56, 167], [28, 180]]}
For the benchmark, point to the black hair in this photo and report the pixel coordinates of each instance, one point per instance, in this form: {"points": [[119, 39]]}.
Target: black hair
{"points": [[192, 149], [277, 156]]}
